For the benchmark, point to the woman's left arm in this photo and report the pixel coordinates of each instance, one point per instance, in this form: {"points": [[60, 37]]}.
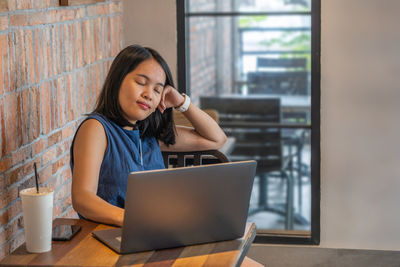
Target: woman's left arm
{"points": [[205, 134]]}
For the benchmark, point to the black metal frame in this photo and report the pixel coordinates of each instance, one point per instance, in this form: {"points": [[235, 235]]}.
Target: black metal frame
{"points": [[284, 238]]}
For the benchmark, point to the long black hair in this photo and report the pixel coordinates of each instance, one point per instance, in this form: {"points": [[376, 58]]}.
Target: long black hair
{"points": [[158, 125]]}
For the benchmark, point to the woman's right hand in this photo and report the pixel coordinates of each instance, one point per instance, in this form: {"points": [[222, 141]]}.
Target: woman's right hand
{"points": [[170, 98]]}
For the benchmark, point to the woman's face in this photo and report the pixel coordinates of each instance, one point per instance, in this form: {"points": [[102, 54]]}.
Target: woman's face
{"points": [[141, 90]]}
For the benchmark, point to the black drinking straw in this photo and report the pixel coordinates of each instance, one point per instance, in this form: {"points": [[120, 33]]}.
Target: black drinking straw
{"points": [[36, 178]]}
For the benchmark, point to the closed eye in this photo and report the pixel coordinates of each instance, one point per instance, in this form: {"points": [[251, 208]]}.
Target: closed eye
{"points": [[157, 90], [140, 83]]}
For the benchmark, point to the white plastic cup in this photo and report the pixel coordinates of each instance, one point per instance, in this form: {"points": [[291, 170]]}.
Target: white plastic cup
{"points": [[37, 210]]}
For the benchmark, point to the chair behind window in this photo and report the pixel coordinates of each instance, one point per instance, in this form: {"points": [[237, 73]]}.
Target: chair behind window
{"points": [[280, 76]]}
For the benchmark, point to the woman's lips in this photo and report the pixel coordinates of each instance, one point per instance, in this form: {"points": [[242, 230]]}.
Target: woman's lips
{"points": [[144, 106]]}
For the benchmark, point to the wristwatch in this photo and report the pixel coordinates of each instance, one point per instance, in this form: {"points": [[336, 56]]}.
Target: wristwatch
{"points": [[185, 105]]}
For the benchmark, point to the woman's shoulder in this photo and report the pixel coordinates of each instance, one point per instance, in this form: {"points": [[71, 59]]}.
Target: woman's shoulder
{"points": [[91, 127], [97, 116]]}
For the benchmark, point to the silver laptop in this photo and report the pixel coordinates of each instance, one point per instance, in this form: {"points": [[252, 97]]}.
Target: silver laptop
{"points": [[183, 206]]}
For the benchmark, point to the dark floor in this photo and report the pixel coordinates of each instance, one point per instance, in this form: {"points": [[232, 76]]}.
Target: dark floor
{"points": [[299, 256]]}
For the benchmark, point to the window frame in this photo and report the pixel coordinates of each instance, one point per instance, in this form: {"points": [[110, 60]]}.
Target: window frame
{"points": [[281, 237]]}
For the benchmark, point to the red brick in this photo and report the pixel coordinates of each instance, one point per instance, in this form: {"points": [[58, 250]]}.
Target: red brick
{"points": [[51, 52], [59, 164], [11, 5], [53, 105], [52, 16], [67, 174], [69, 31], [80, 12], [118, 35], [113, 36], [29, 56], [63, 148], [108, 36], [115, 7], [26, 4], [56, 211], [79, 50], [69, 90], [81, 89], [90, 87], [54, 138], [11, 131], [86, 93], [52, 3], [3, 23], [96, 10], [3, 219], [90, 39], [36, 58], [68, 47], [61, 193], [16, 241], [7, 197], [18, 121], [38, 4], [97, 45], [3, 238], [39, 146], [2, 131], [41, 62], [5, 164], [21, 155], [92, 11], [26, 113], [28, 182], [19, 173], [30, 114], [66, 204], [68, 131], [18, 44], [36, 114], [54, 62], [49, 156], [18, 20], [45, 174], [62, 177], [44, 102], [67, 14], [61, 103], [102, 37], [37, 18], [11, 41], [85, 48], [20, 53], [59, 46], [3, 63], [48, 50], [97, 78]]}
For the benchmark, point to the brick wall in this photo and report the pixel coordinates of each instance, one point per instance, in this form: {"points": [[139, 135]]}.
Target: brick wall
{"points": [[53, 61], [210, 49]]}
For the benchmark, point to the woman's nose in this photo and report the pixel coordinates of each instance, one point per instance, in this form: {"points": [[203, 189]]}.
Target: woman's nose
{"points": [[146, 94]]}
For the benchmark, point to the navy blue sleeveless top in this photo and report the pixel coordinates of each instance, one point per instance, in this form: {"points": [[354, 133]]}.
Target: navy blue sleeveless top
{"points": [[121, 158]]}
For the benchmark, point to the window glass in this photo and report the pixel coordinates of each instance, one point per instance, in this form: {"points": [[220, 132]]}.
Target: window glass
{"points": [[251, 61]]}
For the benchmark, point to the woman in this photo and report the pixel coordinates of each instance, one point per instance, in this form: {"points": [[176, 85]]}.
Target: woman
{"points": [[131, 123]]}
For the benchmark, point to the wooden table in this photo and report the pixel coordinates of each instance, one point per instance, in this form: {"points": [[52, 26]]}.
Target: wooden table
{"points": [[85, 250]]}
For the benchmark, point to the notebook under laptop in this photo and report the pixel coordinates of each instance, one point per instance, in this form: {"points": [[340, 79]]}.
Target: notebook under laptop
{"points": [[183, 206]]}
